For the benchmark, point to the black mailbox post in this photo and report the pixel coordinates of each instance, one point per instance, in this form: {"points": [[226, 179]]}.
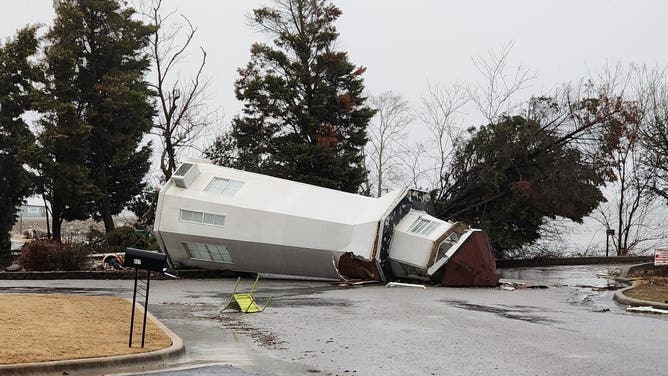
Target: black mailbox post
{"points": [[151, 262], [146, 260]]}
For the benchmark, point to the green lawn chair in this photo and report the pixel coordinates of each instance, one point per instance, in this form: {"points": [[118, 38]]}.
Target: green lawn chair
{"points": [[245, 302]]}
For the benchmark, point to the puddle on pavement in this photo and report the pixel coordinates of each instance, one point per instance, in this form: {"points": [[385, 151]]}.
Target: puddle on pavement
{"points": [[309, 302], [570, 275], [513, 312], [579, 279], [280, 291], [209, 339]]}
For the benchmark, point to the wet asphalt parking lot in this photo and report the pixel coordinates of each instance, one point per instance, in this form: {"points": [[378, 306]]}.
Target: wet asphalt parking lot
{"points": [[318, 328]]}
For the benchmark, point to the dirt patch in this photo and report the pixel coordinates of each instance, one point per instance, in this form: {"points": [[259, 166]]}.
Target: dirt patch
{"points": [[653, 290], [40, 328], [236, 323]]}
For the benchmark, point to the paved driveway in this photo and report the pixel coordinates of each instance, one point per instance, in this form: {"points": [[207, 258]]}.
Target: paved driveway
{"points": [[316, 328]]}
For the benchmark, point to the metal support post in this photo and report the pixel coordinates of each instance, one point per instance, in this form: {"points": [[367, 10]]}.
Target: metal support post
{"points": [[607, 244], [143, 329], [134, 301], [608, 234]]}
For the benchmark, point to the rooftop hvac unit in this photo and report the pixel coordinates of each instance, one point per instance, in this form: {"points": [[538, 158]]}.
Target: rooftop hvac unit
{"points": [[185, 175]]}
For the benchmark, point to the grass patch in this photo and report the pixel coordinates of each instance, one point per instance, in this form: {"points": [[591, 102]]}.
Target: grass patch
{"points": [[654, 290], [40, 328]]}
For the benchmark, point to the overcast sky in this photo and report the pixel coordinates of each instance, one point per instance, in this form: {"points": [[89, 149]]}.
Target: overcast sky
{"points": [[406, 44]]}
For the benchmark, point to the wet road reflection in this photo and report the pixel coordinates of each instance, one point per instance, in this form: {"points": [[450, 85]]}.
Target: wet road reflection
{"points": [[567, 275]]}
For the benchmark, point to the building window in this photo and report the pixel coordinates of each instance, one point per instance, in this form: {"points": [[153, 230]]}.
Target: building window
{"points": [[423, 226], [208, 252], [200, 217], [225, 187]]}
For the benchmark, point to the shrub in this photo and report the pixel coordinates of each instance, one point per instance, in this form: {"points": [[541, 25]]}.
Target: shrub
{"points": [[121, 238], [47, 255], [39, 255], [72, 256], [6, 259]]}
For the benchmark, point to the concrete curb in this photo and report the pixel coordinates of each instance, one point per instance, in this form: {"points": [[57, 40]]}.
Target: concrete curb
{"points": [[625, 300], [95, 366], [114, 274], [555, 261]]}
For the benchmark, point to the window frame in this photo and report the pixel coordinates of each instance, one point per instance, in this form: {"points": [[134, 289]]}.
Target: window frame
{"points": [[423, 226], [223, 186], [186, 215], [208, 250]]}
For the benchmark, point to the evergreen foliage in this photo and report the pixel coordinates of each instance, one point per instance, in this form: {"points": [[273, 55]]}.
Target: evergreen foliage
{"points": [[512, 176], [304, 116], [98, 110], [17, 78]]}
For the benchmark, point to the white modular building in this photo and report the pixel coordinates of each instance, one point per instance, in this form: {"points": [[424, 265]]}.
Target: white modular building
{"points": [[220, 218]]}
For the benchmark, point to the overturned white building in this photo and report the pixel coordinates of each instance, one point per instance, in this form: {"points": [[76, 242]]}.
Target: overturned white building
{"points": [[221, 218]]}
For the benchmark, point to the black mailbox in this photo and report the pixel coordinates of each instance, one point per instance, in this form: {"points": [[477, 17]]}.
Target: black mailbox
{"points": [[146, 260], [151, 262]]}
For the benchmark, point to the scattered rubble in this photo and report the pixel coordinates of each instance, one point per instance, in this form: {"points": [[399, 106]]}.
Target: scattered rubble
{"points": [[14, 267], [510, 286], [393, 284], [608, 287], [647, 309]]}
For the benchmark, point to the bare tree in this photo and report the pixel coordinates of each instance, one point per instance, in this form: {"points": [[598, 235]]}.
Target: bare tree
{"points": [[628, 201], [496, 97], [439, 110], [654, 104], [183, 114], [412, 161], [386, 133], [632, 210]]}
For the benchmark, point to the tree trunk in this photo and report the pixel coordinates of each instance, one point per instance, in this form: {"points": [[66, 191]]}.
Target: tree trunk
{"points": [[46, 212], [57, 224], [171, 155], [106, 216], [105, 207]]}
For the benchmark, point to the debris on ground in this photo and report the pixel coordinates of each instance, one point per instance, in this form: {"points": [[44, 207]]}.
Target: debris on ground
{"points": [[647, 309], [608, 287], [245, 302], [393, 284], [354, 282], [113, 261], [14, 267], [510, 286], [599, 288], [611, 274]]}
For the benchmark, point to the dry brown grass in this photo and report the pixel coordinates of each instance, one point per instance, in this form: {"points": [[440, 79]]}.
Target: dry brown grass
{"points": [[39, 328], [654, 290]]}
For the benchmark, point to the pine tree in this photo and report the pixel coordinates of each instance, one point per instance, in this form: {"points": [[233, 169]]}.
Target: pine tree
{"points": [[100, 104], [17, 78], [304, 115]]}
